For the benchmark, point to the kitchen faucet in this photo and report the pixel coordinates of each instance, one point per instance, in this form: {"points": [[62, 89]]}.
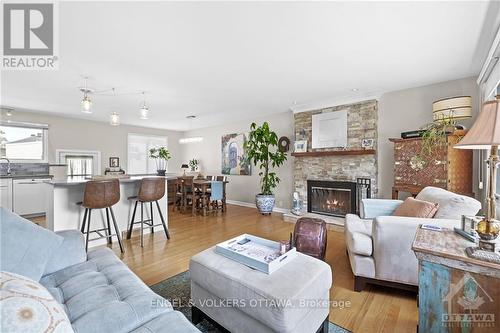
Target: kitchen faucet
{"points": [[8, 164]]}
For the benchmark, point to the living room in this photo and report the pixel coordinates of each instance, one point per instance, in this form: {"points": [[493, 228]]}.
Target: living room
{"points": [[249, 166]]}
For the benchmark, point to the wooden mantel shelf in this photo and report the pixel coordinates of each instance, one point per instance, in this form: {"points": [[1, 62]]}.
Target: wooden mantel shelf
{"points": [[335, 153]]}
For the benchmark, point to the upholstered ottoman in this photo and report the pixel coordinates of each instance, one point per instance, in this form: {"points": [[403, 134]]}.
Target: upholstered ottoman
{"points": [[295, 298]]}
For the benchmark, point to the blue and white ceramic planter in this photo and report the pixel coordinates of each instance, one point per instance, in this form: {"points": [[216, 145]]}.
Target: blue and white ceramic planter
{"points": [[265, 203]]}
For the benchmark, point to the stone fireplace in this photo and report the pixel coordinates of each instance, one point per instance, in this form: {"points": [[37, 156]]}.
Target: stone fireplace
{"points": [[327, 179]]}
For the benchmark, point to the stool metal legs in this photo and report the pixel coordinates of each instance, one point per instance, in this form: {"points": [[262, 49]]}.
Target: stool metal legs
{"points": [[108, 235], [148, 222]]}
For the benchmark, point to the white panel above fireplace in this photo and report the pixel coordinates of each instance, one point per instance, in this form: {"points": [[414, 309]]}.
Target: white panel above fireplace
{"points": [[329, 130]]}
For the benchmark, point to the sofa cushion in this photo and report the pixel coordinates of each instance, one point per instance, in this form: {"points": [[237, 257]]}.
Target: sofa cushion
{"points": [[103, 295], [451, 205], [358, 234], [70, 252], [416, 208], [26, 306], [25, 248]]}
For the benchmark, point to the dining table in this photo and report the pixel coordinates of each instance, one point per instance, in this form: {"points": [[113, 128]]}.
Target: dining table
{"points": [[203, 185]]}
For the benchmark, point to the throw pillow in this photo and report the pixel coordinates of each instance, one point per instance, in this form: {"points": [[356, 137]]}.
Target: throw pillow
{"points": [[416, 208], [25, 248], [26, 306]]}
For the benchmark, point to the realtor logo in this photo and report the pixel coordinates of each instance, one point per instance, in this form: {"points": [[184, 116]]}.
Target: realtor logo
{"points": [[30, 36], [469, 297]]}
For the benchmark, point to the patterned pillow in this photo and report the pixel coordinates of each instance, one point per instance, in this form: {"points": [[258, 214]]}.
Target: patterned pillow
{"points": [[26, 306]]}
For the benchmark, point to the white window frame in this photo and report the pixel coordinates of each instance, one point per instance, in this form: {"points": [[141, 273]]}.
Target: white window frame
{"points": [[45, 140], [95, 154], [143, 135]]}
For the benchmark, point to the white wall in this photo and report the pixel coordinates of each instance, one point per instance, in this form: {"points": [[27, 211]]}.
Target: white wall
{"points": [[407, 110], [243, 188], [70, 133]]}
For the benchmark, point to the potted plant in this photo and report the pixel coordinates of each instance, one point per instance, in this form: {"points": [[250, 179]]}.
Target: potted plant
{"points": [[262, 149], [161, 155], [193, 165]]}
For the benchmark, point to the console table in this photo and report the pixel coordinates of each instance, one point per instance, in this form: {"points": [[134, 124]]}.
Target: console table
{"points": [[456, 293]]}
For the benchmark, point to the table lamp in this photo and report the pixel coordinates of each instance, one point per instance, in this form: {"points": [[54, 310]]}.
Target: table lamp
{"points": [[485, 134], [184, 167]]}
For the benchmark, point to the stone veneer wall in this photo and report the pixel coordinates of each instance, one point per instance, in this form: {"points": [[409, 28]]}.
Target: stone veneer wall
{"points": [[361, 123]]}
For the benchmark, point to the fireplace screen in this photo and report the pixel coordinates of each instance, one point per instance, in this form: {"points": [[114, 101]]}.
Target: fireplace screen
{"points": [[334, 198]]}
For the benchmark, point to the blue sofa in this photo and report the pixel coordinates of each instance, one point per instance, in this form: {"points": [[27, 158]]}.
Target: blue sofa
{"points": [[98, 292]]}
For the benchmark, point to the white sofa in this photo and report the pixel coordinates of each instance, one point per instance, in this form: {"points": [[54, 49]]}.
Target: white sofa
{"points": [[379, 245]]}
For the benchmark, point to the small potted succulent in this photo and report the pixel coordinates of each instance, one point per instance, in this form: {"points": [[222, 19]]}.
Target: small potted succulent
{"points": [[161, 155], [262, 149]]}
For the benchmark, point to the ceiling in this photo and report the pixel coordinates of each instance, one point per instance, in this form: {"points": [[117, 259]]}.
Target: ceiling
{"points": [[229, 61]]}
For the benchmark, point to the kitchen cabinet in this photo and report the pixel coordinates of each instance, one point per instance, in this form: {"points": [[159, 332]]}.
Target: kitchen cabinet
{"points": [[29, 196], [6, 193]]}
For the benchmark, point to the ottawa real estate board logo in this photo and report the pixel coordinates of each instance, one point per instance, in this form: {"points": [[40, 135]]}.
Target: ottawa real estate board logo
{"points": [[30, 35]]}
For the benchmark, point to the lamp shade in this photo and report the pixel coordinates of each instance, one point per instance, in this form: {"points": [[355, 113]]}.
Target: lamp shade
{"points": [[185, 166], [454, 108], [486, 129]]}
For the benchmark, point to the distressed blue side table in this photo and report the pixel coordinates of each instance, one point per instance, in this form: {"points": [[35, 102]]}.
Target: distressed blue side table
{"points": [[456, 293]]}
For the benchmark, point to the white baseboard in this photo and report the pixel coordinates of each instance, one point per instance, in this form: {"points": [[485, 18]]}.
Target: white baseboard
{"points": [[252, 205]]}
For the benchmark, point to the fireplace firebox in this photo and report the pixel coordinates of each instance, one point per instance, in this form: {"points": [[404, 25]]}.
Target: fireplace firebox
{"points": [[336, 198]]}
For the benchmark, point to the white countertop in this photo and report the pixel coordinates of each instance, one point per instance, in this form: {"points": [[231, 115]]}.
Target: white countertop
{"points": [[82, 179]]}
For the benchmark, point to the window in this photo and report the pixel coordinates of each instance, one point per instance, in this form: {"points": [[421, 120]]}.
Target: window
{"points": [[80, 162], [79, 165], [138, 152], [23, 142]]}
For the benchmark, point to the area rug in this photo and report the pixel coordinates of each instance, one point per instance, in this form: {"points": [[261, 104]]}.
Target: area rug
{"points": [[177, 290]]}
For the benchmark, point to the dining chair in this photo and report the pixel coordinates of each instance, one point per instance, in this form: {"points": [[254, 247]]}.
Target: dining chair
{"points": [[178, 195], [216, 195], [189, 195]]}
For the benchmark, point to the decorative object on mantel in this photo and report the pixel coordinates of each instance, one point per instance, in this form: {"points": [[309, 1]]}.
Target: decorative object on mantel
{"points": [[485, 134], [296, 204], [284, 144], [184, 167], [259, 147], [446, 167], [161, 155], [234, 155], [300, 146], [323, 135], [367, 143]]}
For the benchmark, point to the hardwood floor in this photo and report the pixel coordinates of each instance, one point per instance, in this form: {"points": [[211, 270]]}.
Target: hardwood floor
{"points": [[377, 309]]}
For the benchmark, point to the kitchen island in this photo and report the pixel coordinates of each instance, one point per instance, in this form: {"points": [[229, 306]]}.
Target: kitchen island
{"points": [[63, 212]]}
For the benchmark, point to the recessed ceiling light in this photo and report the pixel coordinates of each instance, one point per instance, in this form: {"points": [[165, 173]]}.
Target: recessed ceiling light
{"points": [[191, 117], [114, 119], [354, 89]]}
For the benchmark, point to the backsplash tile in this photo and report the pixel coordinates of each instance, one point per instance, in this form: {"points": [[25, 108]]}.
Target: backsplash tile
{"points": [[25, 168]]}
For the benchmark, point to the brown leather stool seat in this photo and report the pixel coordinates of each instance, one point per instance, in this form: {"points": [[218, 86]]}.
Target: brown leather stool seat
{"points": [[310, 237], [151, 190], [98, 195]]}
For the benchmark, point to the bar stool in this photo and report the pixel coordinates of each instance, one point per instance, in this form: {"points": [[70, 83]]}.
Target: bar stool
{"points": [[98, 195], [151, 189]]}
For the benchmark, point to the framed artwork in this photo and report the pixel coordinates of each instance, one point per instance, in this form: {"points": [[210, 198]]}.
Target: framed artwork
{"points": [[300, 146], [114, 162], [234, 157], [329, 130]]}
